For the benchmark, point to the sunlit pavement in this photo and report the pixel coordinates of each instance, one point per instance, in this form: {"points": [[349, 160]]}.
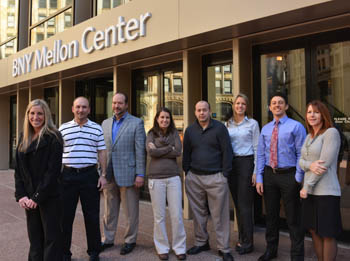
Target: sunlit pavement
{"points": [[14, 243]]}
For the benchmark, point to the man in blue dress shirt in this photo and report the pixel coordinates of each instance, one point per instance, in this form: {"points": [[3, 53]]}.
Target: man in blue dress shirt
{"points": [[279, 175]]}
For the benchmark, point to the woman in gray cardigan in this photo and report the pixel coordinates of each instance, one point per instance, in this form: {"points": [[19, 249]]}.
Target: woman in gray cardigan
{"points": [[163, 145], [321, 190]]}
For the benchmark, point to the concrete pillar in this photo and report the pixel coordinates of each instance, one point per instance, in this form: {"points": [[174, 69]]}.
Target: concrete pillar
{"points": [[192, 91], [122, 82], [66, 98], [4, 131]]}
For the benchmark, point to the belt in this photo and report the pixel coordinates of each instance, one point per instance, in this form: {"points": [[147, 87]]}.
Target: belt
{"points": [[243, 157], [281, 170], [79, 170], [204, 172]]}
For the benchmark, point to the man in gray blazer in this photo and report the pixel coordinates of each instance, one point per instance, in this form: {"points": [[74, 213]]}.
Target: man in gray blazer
{"points": [[125, 137]]}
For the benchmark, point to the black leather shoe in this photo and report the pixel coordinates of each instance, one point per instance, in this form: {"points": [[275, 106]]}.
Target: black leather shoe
{"points": [[245, 250], [94, 257], [197, 249], [181, 257], [268, 255], [227, 257], [106, 245], [127, 248]]}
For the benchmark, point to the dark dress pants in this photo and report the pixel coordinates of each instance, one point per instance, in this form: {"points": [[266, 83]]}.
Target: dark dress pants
{"points": [[242, 192], [81, 185], [285, 186], [45, 231]]}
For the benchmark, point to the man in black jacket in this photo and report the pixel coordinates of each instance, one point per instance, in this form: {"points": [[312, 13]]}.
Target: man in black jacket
{"points": [[207, 161]]}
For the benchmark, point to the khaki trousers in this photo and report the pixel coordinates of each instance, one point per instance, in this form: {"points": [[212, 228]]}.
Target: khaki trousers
{"points": [[128, 197], [209, 193]]}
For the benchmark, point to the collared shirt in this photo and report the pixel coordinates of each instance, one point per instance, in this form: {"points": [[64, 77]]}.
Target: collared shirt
{"points": [[207, 150], [116, 125], [244, 137], [81, 144], [291, 135]]}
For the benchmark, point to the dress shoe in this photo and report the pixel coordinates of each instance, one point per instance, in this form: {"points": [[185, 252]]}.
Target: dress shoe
{"points": [[104, 246], [94, 257], [164, 256], [197, 249], [227, 257], [268, 255], [181, 257], [127, 248], [245, 250]]}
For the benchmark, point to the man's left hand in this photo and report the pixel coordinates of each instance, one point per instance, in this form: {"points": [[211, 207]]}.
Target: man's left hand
{"points": [[101, 183], [139, 182]]}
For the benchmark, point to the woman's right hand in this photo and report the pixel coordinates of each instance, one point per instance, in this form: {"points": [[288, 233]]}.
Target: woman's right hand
{"points": [[23, 202], [317, 168], [151, 146]]}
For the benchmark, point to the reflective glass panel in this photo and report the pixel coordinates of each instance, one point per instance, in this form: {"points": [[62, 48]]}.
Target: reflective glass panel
{"points": [[8, 48], [104, 5], [9, 24], [44, 8], [220, 93], [55, 25], [284, 72]]}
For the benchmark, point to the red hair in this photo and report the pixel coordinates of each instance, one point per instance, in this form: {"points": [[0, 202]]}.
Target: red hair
{"points": [[325, 117]]}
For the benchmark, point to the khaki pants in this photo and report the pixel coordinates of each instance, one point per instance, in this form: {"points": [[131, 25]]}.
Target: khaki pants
{"points": [[209, 192], [113, 197]]}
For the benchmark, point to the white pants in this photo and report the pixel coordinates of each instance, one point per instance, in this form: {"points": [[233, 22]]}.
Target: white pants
{"points": [[162, 190]]}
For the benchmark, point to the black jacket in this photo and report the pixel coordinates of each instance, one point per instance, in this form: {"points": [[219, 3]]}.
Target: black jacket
{"points": [[38, 169]]}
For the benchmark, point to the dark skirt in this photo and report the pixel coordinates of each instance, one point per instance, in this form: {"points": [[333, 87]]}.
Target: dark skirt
{"points": [[322, 214]]}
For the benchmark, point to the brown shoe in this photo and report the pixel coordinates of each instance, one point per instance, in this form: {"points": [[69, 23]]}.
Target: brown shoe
{"points": [[163, 256], [181, 257]]}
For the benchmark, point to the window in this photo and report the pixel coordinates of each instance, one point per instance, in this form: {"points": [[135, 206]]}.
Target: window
{"points": [[61, 18], [227, 68], [39, 37], [177, 84], [227, 86], [176, 108], [42, 3], [218, 86], [10, 20], [106, 4], [11, 3], [53, 3]]}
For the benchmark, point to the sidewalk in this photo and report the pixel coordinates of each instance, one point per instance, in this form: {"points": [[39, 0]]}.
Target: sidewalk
{"points": [[14, 243]]}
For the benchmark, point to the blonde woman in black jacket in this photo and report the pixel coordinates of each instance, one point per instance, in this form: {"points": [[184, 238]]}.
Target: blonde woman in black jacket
{"points": [[38, 167]]}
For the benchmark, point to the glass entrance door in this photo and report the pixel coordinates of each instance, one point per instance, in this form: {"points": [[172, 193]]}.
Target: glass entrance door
{"points": [[157, 87], [13, 130], [99, 92], [305, 69]]}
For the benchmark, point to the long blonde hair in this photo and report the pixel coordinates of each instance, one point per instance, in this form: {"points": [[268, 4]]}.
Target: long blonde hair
{"points": [[232, 114], [47, 128]]}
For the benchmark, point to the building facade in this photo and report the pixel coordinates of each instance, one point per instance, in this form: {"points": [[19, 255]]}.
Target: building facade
{"points": [[173, 53]]}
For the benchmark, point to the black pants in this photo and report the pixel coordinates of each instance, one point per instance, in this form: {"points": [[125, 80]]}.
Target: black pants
{"points": [[285, 186], [81, 185], [242, 192], [45, 231]]}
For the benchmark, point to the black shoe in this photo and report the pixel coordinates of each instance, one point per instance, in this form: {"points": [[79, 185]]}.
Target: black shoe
{"points": [[227, 257], [127, 248], [181, 257], [268, 255], [245, 250], [197, 249], [106, 245], [94, 257]]}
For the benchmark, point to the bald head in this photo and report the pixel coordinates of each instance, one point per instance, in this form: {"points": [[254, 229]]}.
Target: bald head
{"points": [[202, 112], [81, 110]]}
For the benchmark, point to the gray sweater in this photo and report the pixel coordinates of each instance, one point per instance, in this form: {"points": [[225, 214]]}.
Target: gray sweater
{"points": [[163, 159], [324, 147]]}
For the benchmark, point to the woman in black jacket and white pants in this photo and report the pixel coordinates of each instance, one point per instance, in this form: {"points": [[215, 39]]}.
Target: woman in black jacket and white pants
{"points": [[38, 167]]}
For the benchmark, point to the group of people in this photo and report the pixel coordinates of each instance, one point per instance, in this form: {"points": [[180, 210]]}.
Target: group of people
{"points": [[56, 168]]}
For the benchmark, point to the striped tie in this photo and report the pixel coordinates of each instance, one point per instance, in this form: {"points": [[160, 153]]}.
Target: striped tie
{"points": [[273, 146]]}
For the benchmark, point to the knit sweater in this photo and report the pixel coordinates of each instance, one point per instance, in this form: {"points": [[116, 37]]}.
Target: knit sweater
{"points": [[322, 147], [163, 158]]}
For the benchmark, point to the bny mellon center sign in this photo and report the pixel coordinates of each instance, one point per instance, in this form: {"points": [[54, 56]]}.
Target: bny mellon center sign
{"points": [[122, 32]]}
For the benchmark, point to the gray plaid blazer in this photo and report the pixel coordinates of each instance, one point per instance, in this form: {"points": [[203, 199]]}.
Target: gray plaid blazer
{"points": [[127, 156]]}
